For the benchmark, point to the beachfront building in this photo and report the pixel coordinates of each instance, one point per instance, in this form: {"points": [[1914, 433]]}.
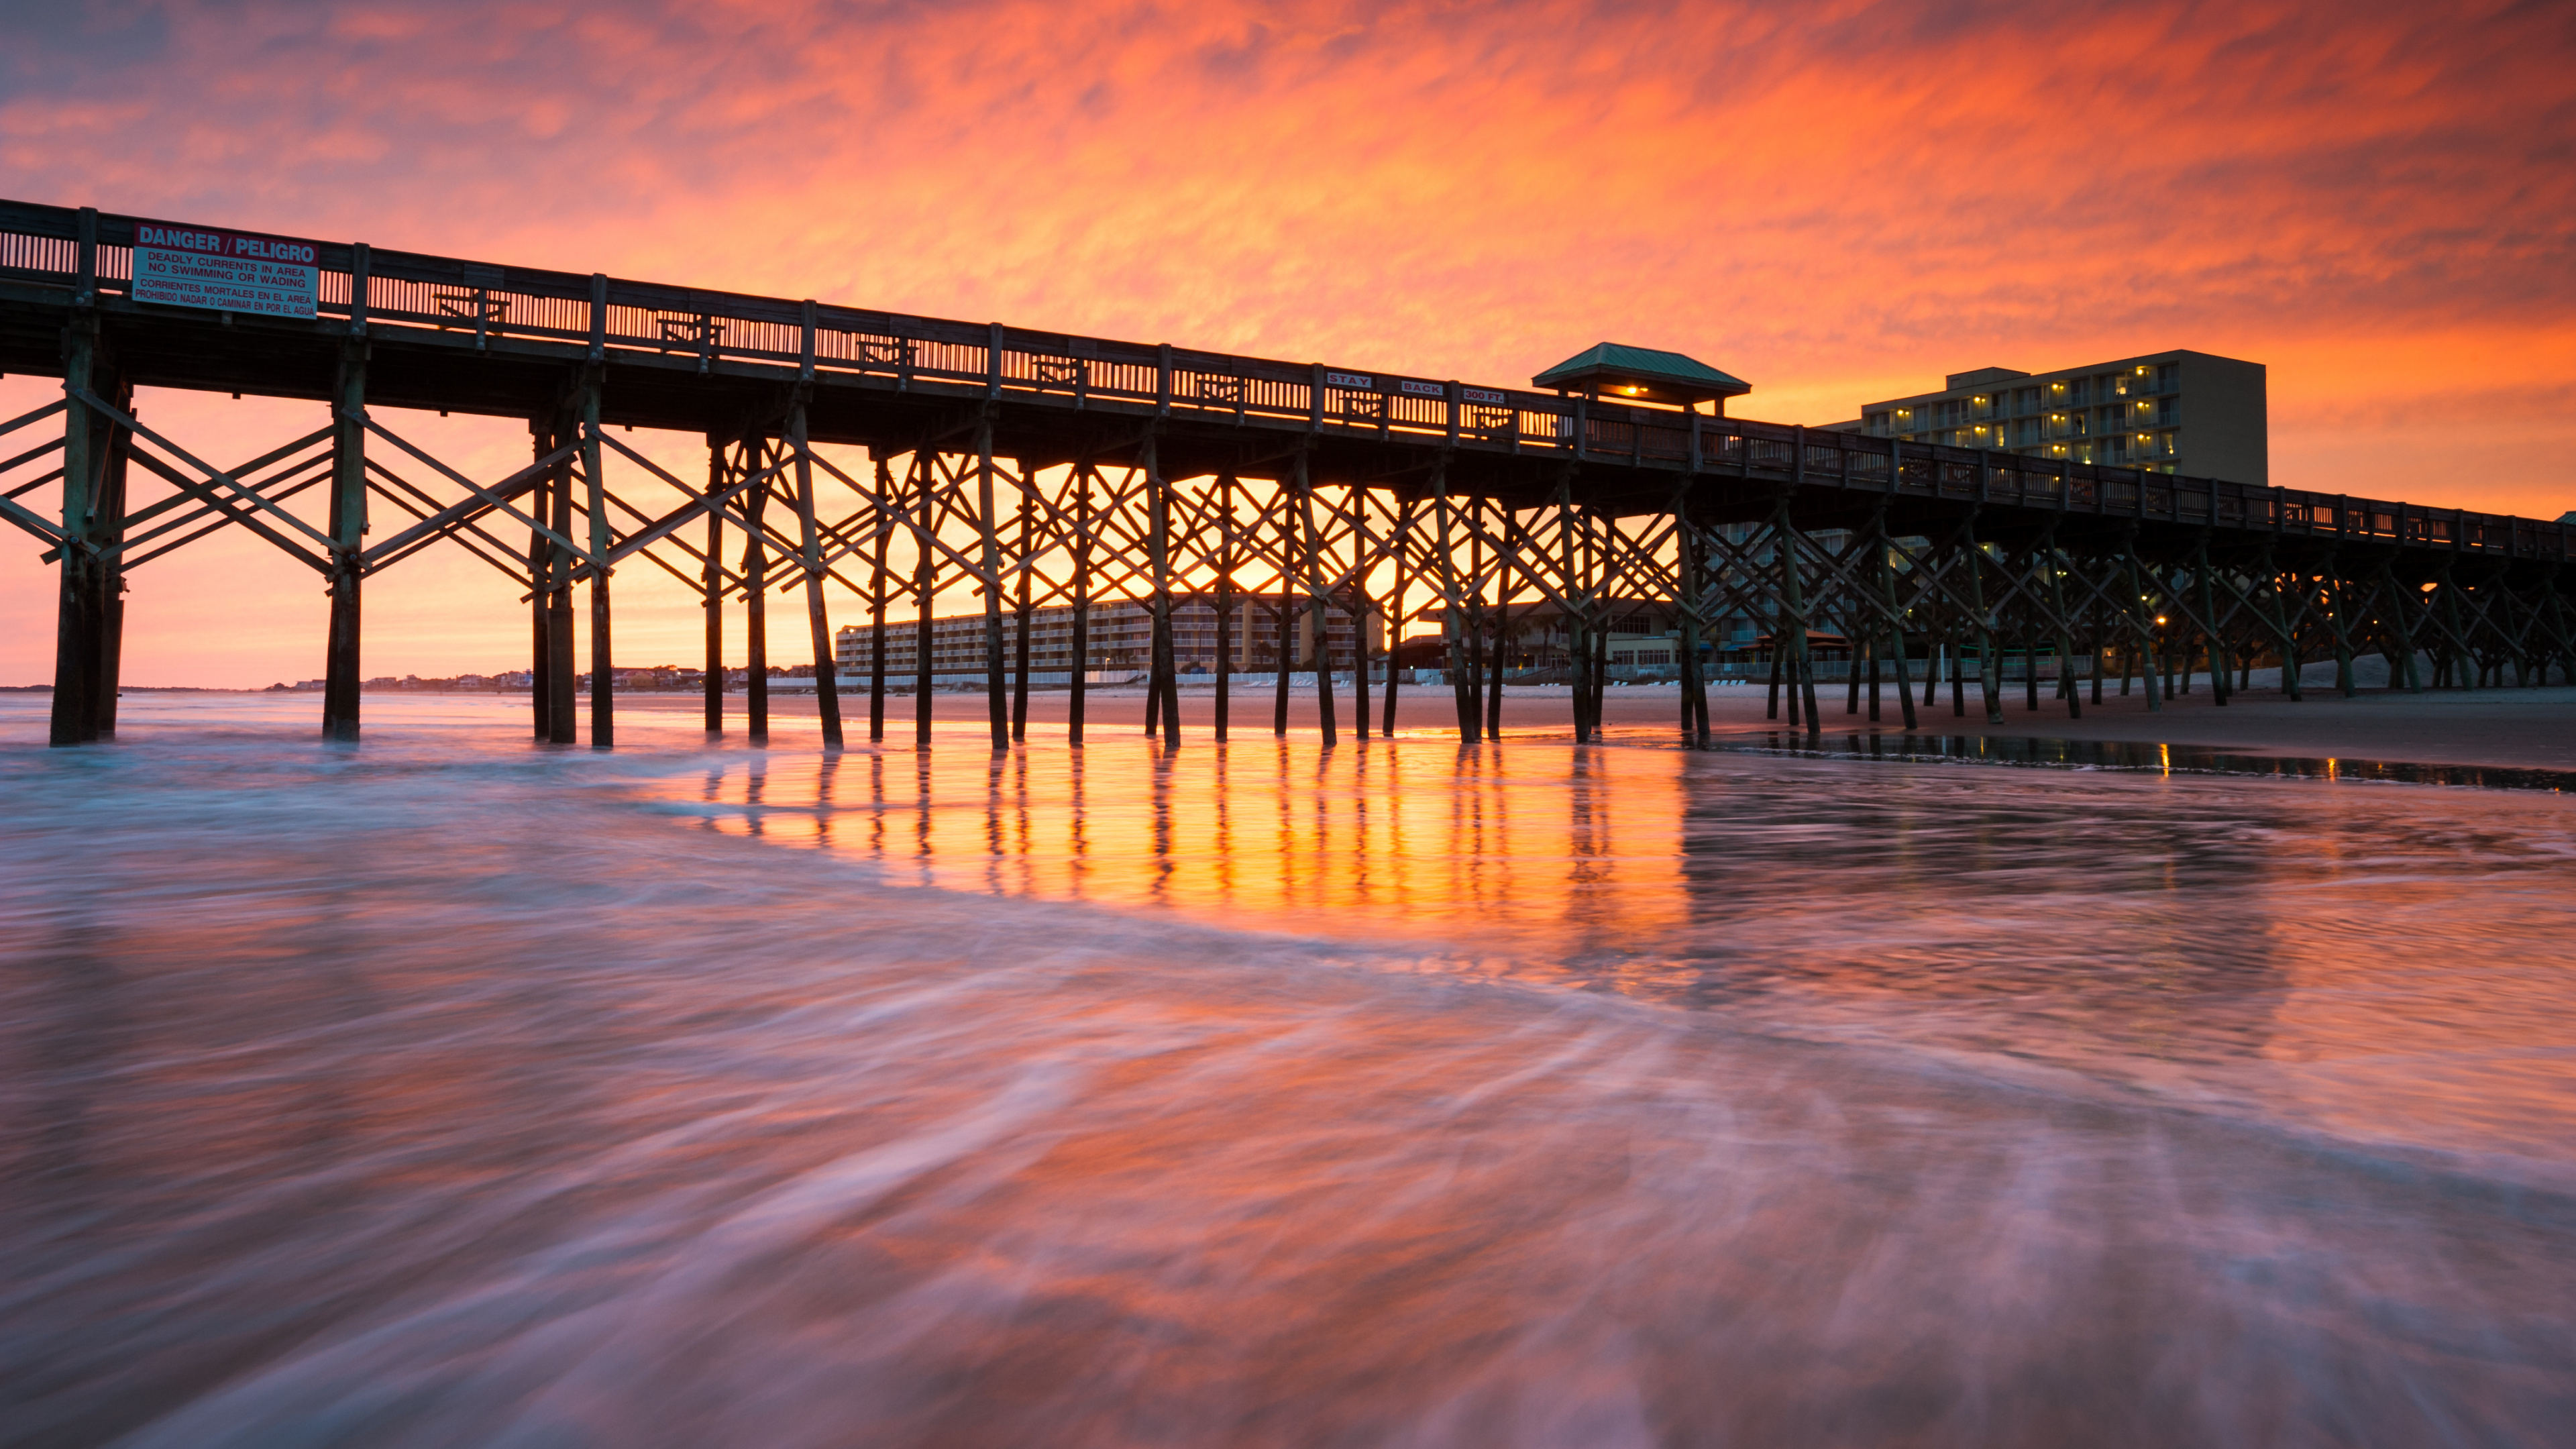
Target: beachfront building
{"points": [[2175, 412], [1121, 637], [1642, 635]]}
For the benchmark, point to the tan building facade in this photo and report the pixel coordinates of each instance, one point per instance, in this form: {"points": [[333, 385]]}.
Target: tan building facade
{"points": [[2175, 412], [1121, 636]]}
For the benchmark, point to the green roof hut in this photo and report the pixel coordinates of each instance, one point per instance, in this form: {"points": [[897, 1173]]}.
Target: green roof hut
{"points": [[1642, 374]]}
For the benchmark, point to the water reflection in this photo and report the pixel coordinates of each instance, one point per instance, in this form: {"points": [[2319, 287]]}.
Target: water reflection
{"points": [[2131, 927]]}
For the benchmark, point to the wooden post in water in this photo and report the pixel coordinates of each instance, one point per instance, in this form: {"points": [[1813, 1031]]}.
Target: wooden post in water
{"points": [[1802, 672], [1360, 611], [1855, 644], [2407, 671], [2339, 616], [1020, 615], [925, 580], [1600, 676], [1471, 627], [1081, 481], [877, 604], [1452, 618], [1224, 600], [1895, 628], [77, 607], [1395, 606], [1162, 673], [827, 663], [1797, 582], [1285, 607], [563, 680], [1497, 657], [996, 706], [2068, 687], [1686, 615], [603, 683], [1958, 672], [2141, 624], [2030, 625], [1578, 620], [712, 592], [2093, 657], [341, 677], [107, 530], [1990, 665], [755, 576], [1315, 565], [2218, 684], [541, 699]]}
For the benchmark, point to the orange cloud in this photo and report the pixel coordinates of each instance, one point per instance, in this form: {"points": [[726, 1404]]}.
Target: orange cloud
{"points": [[1838, 201]]}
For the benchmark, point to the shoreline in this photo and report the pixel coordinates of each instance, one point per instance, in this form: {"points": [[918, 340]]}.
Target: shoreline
{"points": [[2507, 727]]}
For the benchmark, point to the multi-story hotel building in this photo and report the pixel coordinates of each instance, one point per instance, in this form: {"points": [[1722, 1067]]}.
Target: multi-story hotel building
{"points": [[1121, 636], [2177, 412]]}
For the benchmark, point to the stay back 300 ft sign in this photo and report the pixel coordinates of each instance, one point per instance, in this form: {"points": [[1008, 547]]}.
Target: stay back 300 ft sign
{"points": [[230, 271]]}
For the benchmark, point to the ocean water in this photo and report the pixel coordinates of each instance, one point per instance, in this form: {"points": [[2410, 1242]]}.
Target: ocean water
{"points": [[453, 1090]]}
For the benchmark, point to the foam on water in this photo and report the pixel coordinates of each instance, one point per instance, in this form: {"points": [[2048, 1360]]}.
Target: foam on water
{"points": [[454, 1090]]}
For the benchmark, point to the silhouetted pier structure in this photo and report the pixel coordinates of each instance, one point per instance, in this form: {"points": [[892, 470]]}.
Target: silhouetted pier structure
{"points": [[1044, 468]]}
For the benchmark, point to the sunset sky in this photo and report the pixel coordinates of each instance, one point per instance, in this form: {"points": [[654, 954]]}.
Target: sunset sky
{"points": [[1835, 201]]}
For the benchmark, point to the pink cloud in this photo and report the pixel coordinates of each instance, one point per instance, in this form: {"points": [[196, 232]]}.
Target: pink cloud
{"points": [[1836, 201]]}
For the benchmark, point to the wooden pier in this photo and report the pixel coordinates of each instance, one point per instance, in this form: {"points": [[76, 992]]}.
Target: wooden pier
{"points": [[868, 460]]}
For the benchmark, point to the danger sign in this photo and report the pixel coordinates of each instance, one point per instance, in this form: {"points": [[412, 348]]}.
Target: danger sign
{"points": [[228, 271]]}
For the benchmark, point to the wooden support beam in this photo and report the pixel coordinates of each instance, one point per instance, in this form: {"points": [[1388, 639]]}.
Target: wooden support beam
{"points": [[996, 699], [711, 590], [1363, 559], [1025, 545], [1686, 591], [2141, 619], [562, 678], [1162, 684], [1225, 485], [1989, 663], [76, 614], [341, 676], [603, 682], [2053, 562], [1497, 657], [1453, 632], [827, 688], [1318, 615], [877, 611], [2210, 630], [755, 572], [925, 585], [1080, 484], [1896, 615], [540, 556], [1287, 566], [1395, 610]]}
